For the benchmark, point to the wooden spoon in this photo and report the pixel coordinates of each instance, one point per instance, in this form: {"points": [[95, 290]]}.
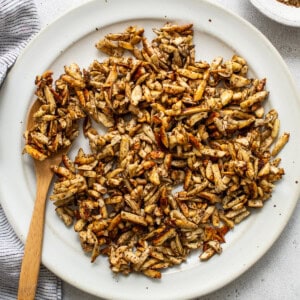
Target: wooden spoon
{"points": [[33, 247]]}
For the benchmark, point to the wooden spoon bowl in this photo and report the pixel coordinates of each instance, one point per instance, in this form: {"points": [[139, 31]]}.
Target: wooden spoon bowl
{"points": [[33, 246]]}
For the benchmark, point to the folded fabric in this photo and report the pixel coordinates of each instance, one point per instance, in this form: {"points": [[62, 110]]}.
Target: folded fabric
{"points": [[18, 23], [11, 254]]}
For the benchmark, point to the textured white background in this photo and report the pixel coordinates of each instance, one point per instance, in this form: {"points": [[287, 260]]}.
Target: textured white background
{"points": [[277, 274]]}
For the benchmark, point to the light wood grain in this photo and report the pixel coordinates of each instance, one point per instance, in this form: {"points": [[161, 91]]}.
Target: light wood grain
{"points": [[33, 247]]}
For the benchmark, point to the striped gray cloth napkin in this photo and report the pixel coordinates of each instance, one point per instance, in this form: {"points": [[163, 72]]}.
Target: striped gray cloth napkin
{"points": [[18, 23]]}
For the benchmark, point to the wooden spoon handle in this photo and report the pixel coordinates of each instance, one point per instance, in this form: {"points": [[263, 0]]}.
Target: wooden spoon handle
{"points": [[33, 247]]}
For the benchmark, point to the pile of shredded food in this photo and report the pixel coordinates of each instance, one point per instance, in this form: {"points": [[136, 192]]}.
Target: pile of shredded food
{"points": [[295, 3], [188, 153]]}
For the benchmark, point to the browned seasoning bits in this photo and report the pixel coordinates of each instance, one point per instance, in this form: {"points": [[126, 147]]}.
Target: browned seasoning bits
{"points": [[172, 122], [295, 3]]}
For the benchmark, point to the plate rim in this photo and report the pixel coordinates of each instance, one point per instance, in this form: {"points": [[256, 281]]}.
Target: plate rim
{"points": [[269, 12]]}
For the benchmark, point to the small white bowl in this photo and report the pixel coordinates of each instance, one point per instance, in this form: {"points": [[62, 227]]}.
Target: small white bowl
{"points": [[279, 12]]}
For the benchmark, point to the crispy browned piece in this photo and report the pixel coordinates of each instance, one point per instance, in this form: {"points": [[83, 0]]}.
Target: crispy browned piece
{"points": [[295, 3], [56, 121], [171, 121]]}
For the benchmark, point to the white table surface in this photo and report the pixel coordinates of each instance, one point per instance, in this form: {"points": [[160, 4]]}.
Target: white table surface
{"points": [[277, 274]]}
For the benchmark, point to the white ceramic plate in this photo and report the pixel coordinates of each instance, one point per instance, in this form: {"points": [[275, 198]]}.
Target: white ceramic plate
{"points": [[71, 39], [279, 12]]}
